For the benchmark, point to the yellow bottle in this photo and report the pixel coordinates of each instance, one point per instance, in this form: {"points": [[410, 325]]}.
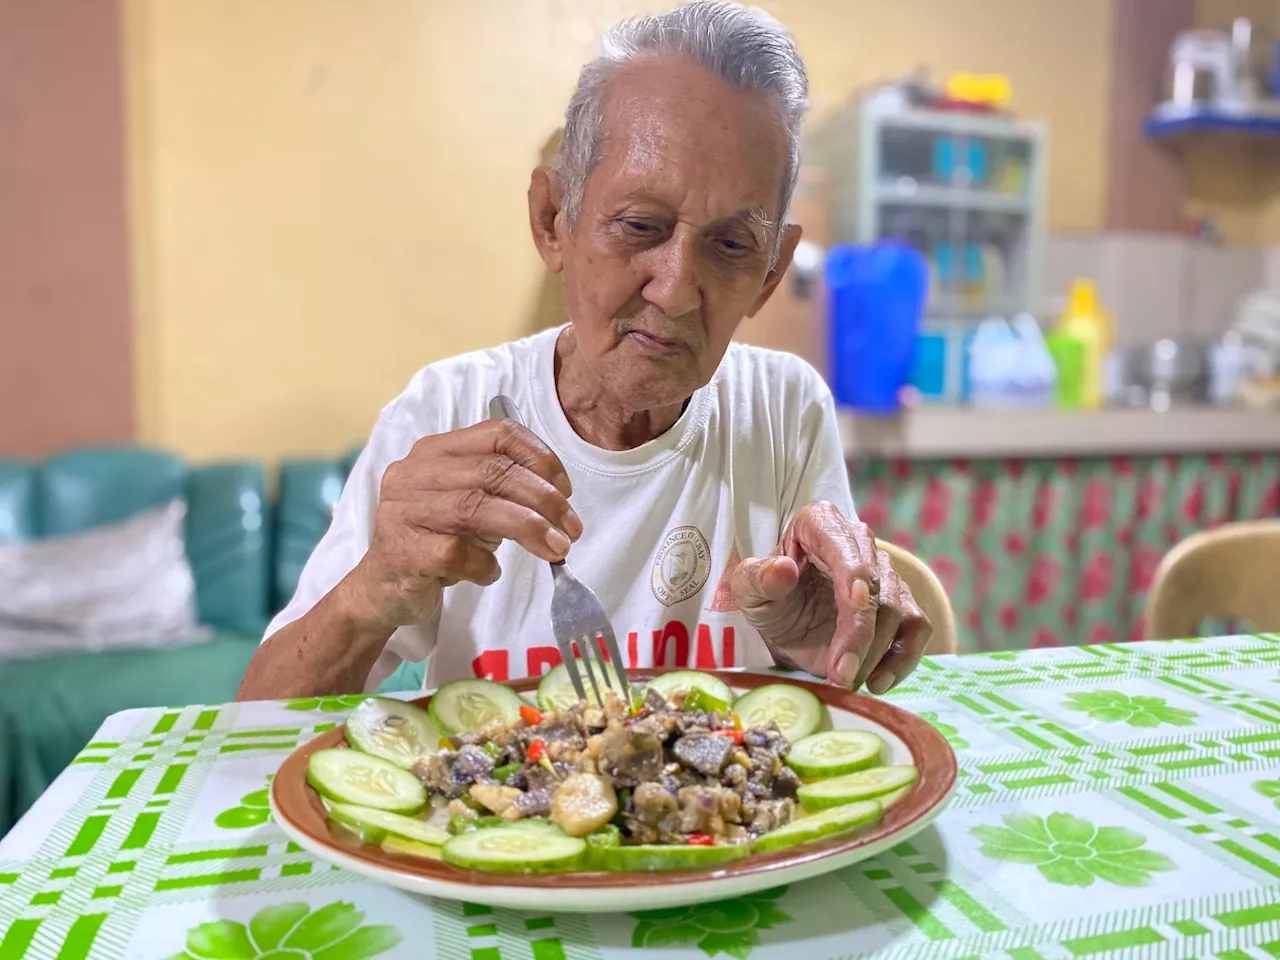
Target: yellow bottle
{"points": [[1088, 323]]}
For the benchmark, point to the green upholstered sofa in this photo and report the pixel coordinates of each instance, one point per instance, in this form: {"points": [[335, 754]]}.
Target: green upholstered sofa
{"points": [[246, 553]]}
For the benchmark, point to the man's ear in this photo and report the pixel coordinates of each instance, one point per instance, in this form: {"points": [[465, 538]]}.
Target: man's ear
{"points": [[546, 219], [786, 250]]}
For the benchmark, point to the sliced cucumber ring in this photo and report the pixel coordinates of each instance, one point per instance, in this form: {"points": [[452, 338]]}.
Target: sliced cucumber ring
{"points": [[411, 848], [393, 730], [555, 689], [349, 776], [466, 705], [682, 681], [819, 825], [834, 752], [893, 797], [863, 785], [645, 857], [795, 710], [377, 826], [514, 850]]}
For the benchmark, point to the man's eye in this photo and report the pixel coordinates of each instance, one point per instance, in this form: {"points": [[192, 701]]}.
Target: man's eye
{"points": [[638, 226]]}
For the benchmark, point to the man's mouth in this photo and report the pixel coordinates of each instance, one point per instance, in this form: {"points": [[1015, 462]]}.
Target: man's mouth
{"points": [[654, 345]]}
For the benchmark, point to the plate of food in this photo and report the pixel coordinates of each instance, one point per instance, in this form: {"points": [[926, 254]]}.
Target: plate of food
{"points": [[706, 785]]}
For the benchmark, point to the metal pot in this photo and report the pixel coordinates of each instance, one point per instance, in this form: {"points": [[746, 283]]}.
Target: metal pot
{"points": [[1165, 374]]}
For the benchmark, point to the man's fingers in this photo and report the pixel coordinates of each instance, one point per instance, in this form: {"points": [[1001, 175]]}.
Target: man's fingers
{"points": [[507, 438], [473, 513], [853, 636], [760, 581], [904, 652], [889, 614], [454, 559], [504, 478], [845, 553]]}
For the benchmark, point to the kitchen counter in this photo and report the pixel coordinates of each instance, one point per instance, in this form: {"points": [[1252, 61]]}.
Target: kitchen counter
{"points": [[970, 433]]}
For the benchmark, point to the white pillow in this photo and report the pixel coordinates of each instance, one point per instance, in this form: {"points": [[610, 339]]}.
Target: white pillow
{"points": [[124, 585]]}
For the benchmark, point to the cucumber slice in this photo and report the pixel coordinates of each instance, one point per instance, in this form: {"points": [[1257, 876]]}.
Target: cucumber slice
{"points": [[795, 710], [377, 826], [411, 848], [459, 825], [393, 730], [646, 857], [819, 825], [465, 705], [834, 752], [682, 681], [862, 785], [515, 850], [349, 776], [555, 689], [891, 799]]}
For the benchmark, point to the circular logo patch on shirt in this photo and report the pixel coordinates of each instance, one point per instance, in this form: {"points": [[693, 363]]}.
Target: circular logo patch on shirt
{"points": [[682, 565]]}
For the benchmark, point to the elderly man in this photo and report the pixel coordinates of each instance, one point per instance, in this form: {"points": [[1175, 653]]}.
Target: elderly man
{"points": [[699, 485]]}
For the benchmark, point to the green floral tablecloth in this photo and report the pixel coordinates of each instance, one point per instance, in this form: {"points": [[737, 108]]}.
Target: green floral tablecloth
{"points": [[1114, 801]]}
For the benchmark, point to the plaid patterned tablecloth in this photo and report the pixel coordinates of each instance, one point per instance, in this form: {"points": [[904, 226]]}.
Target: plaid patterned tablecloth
{"points": [[1114, 801]]}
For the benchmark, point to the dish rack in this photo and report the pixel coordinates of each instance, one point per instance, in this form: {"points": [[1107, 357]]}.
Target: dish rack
{"points": [[965, 189]]}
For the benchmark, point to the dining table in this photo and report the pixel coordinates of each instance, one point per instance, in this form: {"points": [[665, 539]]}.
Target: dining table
{"points": [[1113, 800]]}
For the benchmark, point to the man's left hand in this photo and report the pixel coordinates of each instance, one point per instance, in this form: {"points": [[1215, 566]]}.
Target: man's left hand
{"points": [[827, 601]]}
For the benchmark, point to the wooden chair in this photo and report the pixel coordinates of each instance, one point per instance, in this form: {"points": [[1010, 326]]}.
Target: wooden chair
{"points": [[929, 593], [1230, 571]]}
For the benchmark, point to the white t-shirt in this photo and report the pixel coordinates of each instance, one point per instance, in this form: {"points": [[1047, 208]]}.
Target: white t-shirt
{"points": [[665, 523]]}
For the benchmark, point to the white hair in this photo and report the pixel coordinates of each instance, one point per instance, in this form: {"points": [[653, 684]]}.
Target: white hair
{"points": [[743, 46]]}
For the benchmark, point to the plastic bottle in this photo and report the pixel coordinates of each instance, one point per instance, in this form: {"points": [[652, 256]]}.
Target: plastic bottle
{"points": [[876, 302], [1079, 344]]}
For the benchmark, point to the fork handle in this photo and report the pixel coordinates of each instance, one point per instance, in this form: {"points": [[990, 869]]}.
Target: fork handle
{"points": [[504, 408]]}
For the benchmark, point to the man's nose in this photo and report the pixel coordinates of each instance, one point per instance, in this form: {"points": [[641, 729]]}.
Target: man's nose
{"points": [[674, 287]]}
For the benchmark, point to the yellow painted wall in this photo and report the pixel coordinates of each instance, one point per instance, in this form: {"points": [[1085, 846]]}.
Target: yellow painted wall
{"points": [[328, 194]]}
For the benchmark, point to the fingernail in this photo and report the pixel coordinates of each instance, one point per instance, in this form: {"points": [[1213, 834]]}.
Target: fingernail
{"points": [[558, 542], [847, 669], [572, 524], [859, 593], [881, 682], [561, 483]]}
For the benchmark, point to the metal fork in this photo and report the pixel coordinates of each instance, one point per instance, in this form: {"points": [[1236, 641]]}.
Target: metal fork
{"points": [[577, 616]]}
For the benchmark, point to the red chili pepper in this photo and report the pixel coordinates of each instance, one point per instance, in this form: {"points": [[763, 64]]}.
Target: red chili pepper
{"points": [[531, 715], [537, 751], [701, 840], [734, 735]]}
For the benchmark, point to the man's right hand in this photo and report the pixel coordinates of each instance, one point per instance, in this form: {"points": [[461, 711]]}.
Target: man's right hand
{"points": [[444, 509]]}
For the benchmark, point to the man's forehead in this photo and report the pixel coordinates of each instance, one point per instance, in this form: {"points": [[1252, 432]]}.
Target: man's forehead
{"points": [[667, 124]]}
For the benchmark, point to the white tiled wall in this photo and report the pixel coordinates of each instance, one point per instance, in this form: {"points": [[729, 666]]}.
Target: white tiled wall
{"points": [[1159, 285]]}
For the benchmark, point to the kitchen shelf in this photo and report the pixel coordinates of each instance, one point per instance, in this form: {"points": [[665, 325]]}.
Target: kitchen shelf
{"points": [[931, 195], [976, 433], [995, 126], [1177, 127]]}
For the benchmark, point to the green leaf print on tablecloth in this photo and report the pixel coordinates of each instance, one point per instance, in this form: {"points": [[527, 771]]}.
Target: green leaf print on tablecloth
{"points": [[1269, 789], [326, 704], [1112, 706], [253, 811], [1070, 850], [947, 730], [730, 926], [290, 931]]}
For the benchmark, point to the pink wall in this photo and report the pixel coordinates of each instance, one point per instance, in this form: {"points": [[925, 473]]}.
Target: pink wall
{"points": [[66, 352]]}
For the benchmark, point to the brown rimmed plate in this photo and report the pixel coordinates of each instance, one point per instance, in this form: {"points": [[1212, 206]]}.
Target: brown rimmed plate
{"points": [[908, 739]]}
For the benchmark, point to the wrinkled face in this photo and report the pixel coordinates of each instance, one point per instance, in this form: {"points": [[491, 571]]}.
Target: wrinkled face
{"points": [[674, 243]]}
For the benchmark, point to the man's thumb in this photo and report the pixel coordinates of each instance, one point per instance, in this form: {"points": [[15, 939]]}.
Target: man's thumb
{"points": [[763, 580]]}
